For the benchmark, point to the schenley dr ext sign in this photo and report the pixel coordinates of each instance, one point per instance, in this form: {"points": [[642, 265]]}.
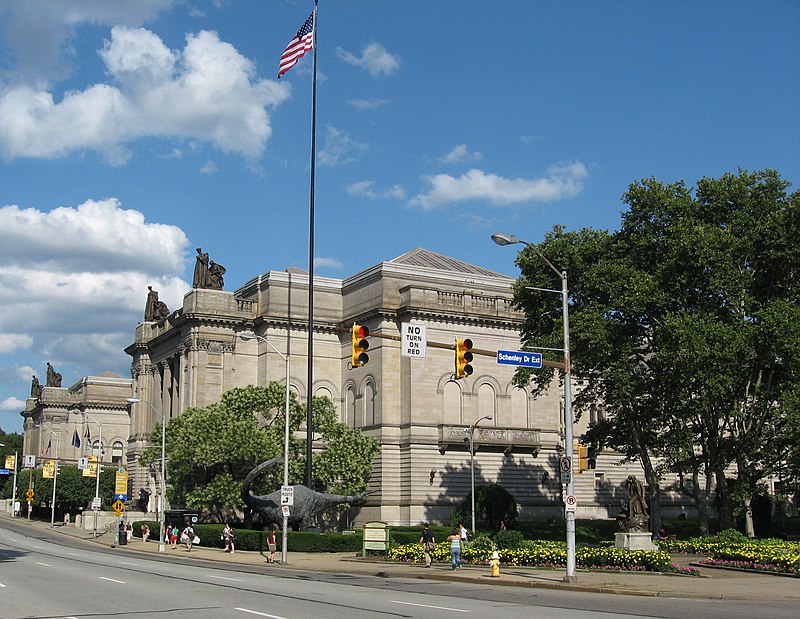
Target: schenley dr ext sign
{"points": [[523, 358]]}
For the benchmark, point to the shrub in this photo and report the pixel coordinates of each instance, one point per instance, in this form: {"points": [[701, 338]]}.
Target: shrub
{"points": [[508, 539]]}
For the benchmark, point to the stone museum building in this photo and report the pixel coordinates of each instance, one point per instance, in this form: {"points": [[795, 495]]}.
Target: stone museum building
{"points": [[189, 356]]}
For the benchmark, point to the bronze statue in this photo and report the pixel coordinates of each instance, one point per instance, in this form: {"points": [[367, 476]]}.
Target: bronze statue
{"points": [[201, 273], [634, 515], [307, 502], [215, 273], [53, 377], [207, 273], [143, 501], [36, 387], [154, 309]]}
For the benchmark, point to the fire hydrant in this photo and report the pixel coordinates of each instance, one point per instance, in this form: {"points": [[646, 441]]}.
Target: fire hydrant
{"points": [[495, 563]]}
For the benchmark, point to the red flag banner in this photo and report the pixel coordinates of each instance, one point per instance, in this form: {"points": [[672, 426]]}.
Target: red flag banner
{"points": [[302, 42]]}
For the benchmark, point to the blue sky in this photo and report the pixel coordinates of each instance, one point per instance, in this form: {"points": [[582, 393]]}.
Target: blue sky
{"points": [[133, 131]]}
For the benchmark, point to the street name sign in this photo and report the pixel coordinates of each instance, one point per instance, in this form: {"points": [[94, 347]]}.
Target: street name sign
{"points": [[522, 358]]}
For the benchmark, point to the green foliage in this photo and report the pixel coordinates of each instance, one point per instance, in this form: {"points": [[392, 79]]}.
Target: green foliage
{"points": [[730, 536], [686, 325], [493, 503], [482, 543], [211, 449], [508, 539]]}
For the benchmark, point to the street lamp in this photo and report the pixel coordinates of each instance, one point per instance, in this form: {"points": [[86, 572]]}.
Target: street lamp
{"points": [[99, 465], [471, 431], [508, 239], [252, 336], [55, 477], [162, 487]]}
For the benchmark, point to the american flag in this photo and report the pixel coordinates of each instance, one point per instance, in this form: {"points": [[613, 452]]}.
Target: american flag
{"points": [[302, 42]]}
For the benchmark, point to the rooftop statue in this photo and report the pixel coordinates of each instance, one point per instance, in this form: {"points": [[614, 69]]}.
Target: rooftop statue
{"points": [[154, 309], [53, 377]]}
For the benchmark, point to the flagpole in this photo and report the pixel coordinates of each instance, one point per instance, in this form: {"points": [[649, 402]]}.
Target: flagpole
{"points": [[310, 376]]}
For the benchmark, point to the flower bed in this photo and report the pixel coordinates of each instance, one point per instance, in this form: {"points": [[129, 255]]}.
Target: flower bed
{"points": [[549, 554]]}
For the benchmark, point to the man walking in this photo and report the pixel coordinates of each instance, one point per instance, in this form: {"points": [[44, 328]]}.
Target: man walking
{"points": [[428, 543]]}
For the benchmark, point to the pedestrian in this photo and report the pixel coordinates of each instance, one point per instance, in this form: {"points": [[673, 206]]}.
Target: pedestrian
{"points": [[66, 519], [173, 536], [145, 533], [229, 537], [272, 544], [463, 533], [428, 543], [502, 525], [455, 548], [187, 536], [128, 532]]}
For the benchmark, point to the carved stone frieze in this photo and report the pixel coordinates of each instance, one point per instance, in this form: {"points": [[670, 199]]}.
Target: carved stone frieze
{"points": [[506, 439]]}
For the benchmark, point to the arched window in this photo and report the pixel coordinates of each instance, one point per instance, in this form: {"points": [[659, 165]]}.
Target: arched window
{"points": [[116, 452], [96, 448]]}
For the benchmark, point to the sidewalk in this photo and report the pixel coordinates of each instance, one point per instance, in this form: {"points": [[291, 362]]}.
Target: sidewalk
{"points": [[713, 583]]}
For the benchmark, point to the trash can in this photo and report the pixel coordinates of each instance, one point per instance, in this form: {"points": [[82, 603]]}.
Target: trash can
{"points": [[123, 538]]}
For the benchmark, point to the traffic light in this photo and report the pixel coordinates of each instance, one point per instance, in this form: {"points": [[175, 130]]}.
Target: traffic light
{"points": [[592, 457], [463, 358], [358, 355], [583, 458]]}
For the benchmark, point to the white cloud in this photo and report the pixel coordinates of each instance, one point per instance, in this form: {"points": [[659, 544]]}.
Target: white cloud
{"points": [[339, 148], [9, 342], [367, 104], [367, 189], [76, 279], [332, 263], [207, 91], [374, 58], [37, 34], [12, 404], [561, 181], [460, 154], [210, 167]]}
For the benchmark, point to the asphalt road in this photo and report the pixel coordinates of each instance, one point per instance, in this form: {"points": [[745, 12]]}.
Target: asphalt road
{"points": [[46, 575]]}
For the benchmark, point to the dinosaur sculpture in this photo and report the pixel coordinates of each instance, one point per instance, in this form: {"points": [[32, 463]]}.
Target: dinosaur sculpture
{"points": [[307, 502]]}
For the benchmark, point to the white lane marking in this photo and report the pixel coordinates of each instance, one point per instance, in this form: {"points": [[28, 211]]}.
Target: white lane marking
{"points": [[121, 582], [39, 547], [126, 563], [255, 612], [74, 554], [455, 610], [45, 564], [225, 578], [2, 586]]}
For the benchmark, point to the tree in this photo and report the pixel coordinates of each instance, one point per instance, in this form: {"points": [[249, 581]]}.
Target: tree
{"points": [[686, 326], [211, 449], [12, 442]]}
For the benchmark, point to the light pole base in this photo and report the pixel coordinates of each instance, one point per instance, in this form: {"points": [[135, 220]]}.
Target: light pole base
{"points": [[569, 578], [161, 547]]}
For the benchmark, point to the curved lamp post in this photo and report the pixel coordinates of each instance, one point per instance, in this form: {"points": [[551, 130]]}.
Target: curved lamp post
{"points": [[509, 239], [285, 537], [471, 431], [162, 485]]}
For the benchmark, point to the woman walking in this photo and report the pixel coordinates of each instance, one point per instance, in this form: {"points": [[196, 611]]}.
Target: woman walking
{"points": [[455, 548]]}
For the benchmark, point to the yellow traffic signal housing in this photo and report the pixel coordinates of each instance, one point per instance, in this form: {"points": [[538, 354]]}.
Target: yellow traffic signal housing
{"points": [[583, 457], [463, 358], [358, 355]]}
